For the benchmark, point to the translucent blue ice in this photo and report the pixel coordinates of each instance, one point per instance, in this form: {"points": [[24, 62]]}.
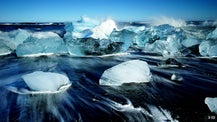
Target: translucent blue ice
{"points": [[42, 43]]}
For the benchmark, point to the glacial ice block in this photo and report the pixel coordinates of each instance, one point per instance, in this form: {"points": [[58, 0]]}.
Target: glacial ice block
{"points": [[127, 72], [212, 104], [42, 43], [45, 81]]}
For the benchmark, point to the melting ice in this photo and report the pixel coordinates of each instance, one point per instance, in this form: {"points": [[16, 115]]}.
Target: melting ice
{"points": [[127, 72], [45, 81]]}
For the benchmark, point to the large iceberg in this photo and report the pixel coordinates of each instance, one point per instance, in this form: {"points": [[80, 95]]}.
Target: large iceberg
{"points": [[42, 43], [45, 81], [212, 104], [131, 71]]}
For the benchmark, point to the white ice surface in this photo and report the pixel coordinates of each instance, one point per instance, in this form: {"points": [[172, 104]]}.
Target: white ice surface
{"points": [[45, 81], [131, 71]]}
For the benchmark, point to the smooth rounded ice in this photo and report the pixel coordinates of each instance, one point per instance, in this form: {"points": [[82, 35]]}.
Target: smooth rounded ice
{"points": [[131, 71], [45, 81]]}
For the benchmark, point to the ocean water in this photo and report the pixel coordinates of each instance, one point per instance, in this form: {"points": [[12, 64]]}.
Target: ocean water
{"points": [[176, 91]]}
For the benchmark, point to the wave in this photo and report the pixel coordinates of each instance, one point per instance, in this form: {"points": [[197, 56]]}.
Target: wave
{"points": [[168, 20]]}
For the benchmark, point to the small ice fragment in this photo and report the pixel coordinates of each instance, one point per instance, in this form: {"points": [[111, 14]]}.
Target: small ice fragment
{"points": [[212, 104], [176, 77]]}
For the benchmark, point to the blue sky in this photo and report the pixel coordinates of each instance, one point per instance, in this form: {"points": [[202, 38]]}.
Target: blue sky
{"points": [[120, 10]]}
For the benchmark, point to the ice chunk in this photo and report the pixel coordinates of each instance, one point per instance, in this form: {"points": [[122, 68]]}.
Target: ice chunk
{"points": [[87, 27], [21, 35], [168, 48], [91, 46], [127, 72], [212, 35], [45, 81], [42, 43], [173, 47], [189, 42], [74, 47], [69, 29], [125, 36], [103, 30], [83, 28], [13, 38], [208, 48], [203, 48], [212, 50], [4, 49], [157, 47], [212, 104]]}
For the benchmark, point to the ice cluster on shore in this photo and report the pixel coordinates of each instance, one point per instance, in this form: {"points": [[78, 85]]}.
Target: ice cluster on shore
{"points": [[170, 38]]}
